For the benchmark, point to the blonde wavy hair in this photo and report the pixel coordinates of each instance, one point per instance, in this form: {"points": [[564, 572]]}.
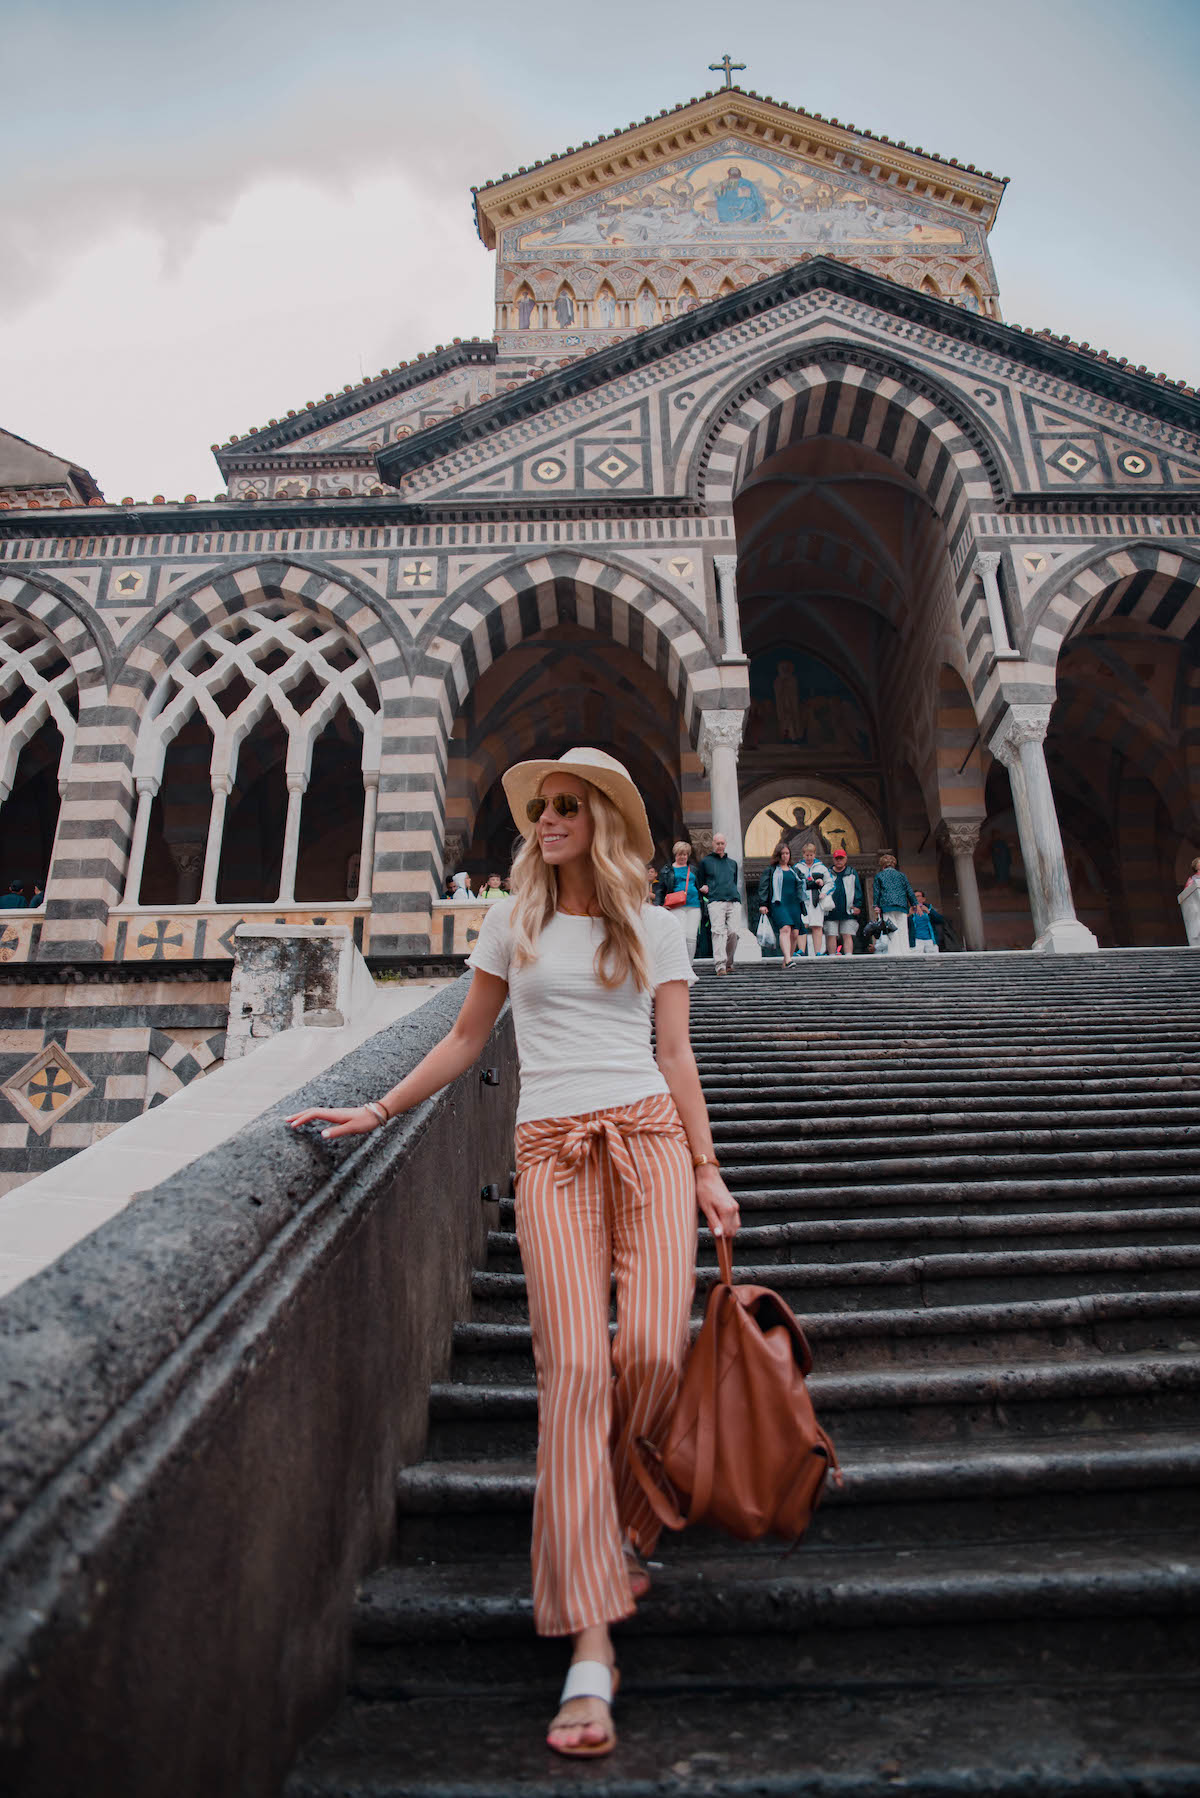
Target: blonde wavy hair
{"points": [[620, 893]]}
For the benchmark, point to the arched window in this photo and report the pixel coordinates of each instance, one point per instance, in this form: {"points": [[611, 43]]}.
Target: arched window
{"points": [[970, 296], [38, 714], [235, 734], [527, 309], [646, 308]]}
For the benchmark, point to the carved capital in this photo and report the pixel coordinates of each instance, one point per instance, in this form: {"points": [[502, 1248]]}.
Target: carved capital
{"points": [[701, 841], [726, 567], [719, 730], [297, 783], [222, 783], [188, 858], [147, 783], [1021, 724], [961, 836], [987, 561], [454, 852]]}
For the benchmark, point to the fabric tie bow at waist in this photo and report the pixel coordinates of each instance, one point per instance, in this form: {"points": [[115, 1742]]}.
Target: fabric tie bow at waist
{"points": [[570, 1141]]}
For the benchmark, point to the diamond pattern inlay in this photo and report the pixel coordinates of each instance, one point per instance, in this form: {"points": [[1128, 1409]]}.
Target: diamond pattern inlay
{"points": [[613, 466], [1070, 460], [46, 1088]]}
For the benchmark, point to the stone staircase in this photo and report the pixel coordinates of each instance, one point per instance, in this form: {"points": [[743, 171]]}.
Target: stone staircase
{"points": [[977, 1181]]}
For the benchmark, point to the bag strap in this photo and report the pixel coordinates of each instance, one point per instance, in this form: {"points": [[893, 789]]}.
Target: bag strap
{"points": [[659, 1503], [706, 1443], [706, 1420]]}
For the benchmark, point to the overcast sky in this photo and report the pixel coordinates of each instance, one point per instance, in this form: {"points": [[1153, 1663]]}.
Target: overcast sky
{"points": [[214, 210]]}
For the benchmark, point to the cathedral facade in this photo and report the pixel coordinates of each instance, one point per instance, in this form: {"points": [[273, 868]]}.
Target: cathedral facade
{"points": [[752, 486]]}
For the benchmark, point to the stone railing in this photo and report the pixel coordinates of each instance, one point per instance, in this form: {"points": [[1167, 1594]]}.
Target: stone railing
{"points": [[205, 1406]]}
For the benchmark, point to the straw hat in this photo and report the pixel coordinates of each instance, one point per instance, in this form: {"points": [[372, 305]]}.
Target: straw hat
{"points": [[521, 784]]}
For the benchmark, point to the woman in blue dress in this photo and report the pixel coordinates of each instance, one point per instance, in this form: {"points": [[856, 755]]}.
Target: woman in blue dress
{"points": [[781, 897]]}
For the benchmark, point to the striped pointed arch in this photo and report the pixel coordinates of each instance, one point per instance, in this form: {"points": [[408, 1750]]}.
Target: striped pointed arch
{"points": [[843, 391], [535, 595], [53, 669], [52, 619], [96, 878], [625, 716], [1145, 582]]}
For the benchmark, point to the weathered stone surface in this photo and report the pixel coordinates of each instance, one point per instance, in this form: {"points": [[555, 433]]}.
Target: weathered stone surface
{"points": [[239, 1362], [1004, 1310]]}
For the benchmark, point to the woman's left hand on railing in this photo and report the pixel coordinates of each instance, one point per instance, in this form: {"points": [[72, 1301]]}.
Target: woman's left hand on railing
{"points": [[345, 1123]]}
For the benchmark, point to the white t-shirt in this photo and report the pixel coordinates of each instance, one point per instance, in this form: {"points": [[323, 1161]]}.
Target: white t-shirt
{"points": [[582, 1046]]}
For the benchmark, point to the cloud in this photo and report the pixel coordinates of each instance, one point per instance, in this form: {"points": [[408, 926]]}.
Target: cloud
{"points": [[178, 188]]}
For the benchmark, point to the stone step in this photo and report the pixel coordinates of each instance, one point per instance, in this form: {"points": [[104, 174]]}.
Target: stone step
{"points": [[856, 1118], [845, 1239], [961, 1181], [977, 1030], [928, 1335], [996, 1277], [913, 1087], [914, 1060], [752, 1617], [783, 1142], [968, 1405], [762, 1206], [1086, 1737], [943, 1172], [1041, 1490]]}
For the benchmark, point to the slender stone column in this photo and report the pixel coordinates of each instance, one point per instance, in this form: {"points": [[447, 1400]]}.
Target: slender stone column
{"points": [[987, 562], [147, 788], [720, 737], [1018, 744], [731, 629], [961, 839], [222, 786], [296, 783], [189, 865], [367, 856]]}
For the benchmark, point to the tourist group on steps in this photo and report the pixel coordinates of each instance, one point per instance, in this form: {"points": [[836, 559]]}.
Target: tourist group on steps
{"points": [[809, 909]]}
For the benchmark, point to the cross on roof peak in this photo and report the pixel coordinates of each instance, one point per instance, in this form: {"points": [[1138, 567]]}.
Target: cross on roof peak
{"points": [[726, 66]]}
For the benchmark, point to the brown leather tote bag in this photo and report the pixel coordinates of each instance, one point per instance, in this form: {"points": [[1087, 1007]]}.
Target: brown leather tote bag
{"points": [[743, 1449]]}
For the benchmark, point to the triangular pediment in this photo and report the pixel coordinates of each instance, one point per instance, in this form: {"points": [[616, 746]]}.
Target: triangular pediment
{"points": [[750, 199], [667, 147]]}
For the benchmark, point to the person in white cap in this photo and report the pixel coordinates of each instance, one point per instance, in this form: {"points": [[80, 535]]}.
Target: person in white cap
{"points": [[614, 1152]]}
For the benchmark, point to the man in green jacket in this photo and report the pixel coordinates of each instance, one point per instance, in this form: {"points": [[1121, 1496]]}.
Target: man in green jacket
{"points": [[717, 879]]}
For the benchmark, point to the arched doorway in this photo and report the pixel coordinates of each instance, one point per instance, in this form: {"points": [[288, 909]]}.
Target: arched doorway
{"points": [[846, 605], [557, 689]]}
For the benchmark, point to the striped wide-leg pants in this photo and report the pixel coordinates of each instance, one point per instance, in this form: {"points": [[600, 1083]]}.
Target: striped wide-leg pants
{"points": [[608, 1192]]}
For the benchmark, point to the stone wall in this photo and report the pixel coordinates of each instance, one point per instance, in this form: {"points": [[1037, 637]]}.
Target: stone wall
{"points": [[240, 1363], [83, 1050]]}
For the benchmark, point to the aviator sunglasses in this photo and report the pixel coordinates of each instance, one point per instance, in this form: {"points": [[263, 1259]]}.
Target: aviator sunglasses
{"points": [[565, 804]]}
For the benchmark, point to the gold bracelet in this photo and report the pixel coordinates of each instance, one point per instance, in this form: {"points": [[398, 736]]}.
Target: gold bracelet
{"points": [[699, 1161]]}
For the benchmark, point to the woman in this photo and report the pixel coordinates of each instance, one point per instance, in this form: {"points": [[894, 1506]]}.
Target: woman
{"points": [[781, 899], [614, 1151], [679, 878], [815, 880]]}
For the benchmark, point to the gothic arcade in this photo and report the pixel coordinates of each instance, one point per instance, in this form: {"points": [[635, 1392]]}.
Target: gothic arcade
{"points": [[752, 487]]}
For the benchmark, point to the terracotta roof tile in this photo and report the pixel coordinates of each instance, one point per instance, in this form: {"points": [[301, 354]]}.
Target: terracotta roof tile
{"points": [[798, 112]]}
